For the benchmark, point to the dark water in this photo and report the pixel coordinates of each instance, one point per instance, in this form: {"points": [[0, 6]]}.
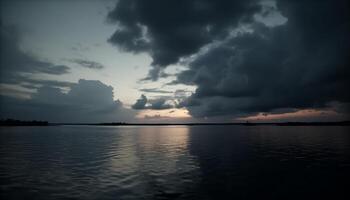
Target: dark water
{"points": [[197, 162]]}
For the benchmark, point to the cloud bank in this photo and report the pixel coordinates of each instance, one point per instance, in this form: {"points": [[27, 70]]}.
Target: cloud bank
{"points": [[86, 101], [245, 57]]}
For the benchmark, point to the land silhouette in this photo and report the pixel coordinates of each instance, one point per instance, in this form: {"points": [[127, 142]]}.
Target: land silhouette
{"points": [[13, 122]]}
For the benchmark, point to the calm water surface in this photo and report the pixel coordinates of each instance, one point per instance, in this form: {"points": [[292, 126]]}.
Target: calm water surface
{"points": [[175, 162]]}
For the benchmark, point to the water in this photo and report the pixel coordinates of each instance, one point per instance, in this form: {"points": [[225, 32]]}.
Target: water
{"points": [[175, 162]]}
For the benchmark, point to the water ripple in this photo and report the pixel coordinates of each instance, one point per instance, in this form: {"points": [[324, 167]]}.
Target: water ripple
{"points": [[204, 162]]}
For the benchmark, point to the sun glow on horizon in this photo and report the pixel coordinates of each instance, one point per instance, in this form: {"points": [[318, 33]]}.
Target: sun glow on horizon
{"points": [[163, 114]]}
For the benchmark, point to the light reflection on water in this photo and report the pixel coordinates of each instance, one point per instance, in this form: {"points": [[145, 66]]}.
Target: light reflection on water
{"points": [[153, 162], [174, 162]]}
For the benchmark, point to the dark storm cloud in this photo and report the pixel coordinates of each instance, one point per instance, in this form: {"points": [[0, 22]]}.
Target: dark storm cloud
{"points": [[154, 104], [87, 63], [169, 30], [159, 104], [18, 66], [300, 64], [140, 103], [87, 101]]}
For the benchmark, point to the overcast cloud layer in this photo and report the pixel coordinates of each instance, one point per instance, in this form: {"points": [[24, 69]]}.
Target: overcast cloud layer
{"points": [[301, 63]]}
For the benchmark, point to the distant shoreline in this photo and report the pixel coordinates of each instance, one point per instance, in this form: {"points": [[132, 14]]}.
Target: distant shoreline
{"points": [[11, 122], [343, 123]]}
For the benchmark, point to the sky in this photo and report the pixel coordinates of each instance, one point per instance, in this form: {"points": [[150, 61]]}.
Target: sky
{"points": [[174, 61]]}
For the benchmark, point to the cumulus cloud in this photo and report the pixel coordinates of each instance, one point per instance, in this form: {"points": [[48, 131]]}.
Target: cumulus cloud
{"points": [[86, 101], [154, 104], [170, 30], [87, 63], [140, 103], [160, 104]]}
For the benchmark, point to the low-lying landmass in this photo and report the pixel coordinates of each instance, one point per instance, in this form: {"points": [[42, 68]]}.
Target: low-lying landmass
{"points": [[13, 122]]}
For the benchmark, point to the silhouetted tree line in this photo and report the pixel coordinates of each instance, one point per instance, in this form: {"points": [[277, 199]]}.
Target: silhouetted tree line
{"points": [[13, 122]]}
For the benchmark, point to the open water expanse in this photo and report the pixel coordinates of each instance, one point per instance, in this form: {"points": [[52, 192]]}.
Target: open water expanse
{"points": [[175, 162]]}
